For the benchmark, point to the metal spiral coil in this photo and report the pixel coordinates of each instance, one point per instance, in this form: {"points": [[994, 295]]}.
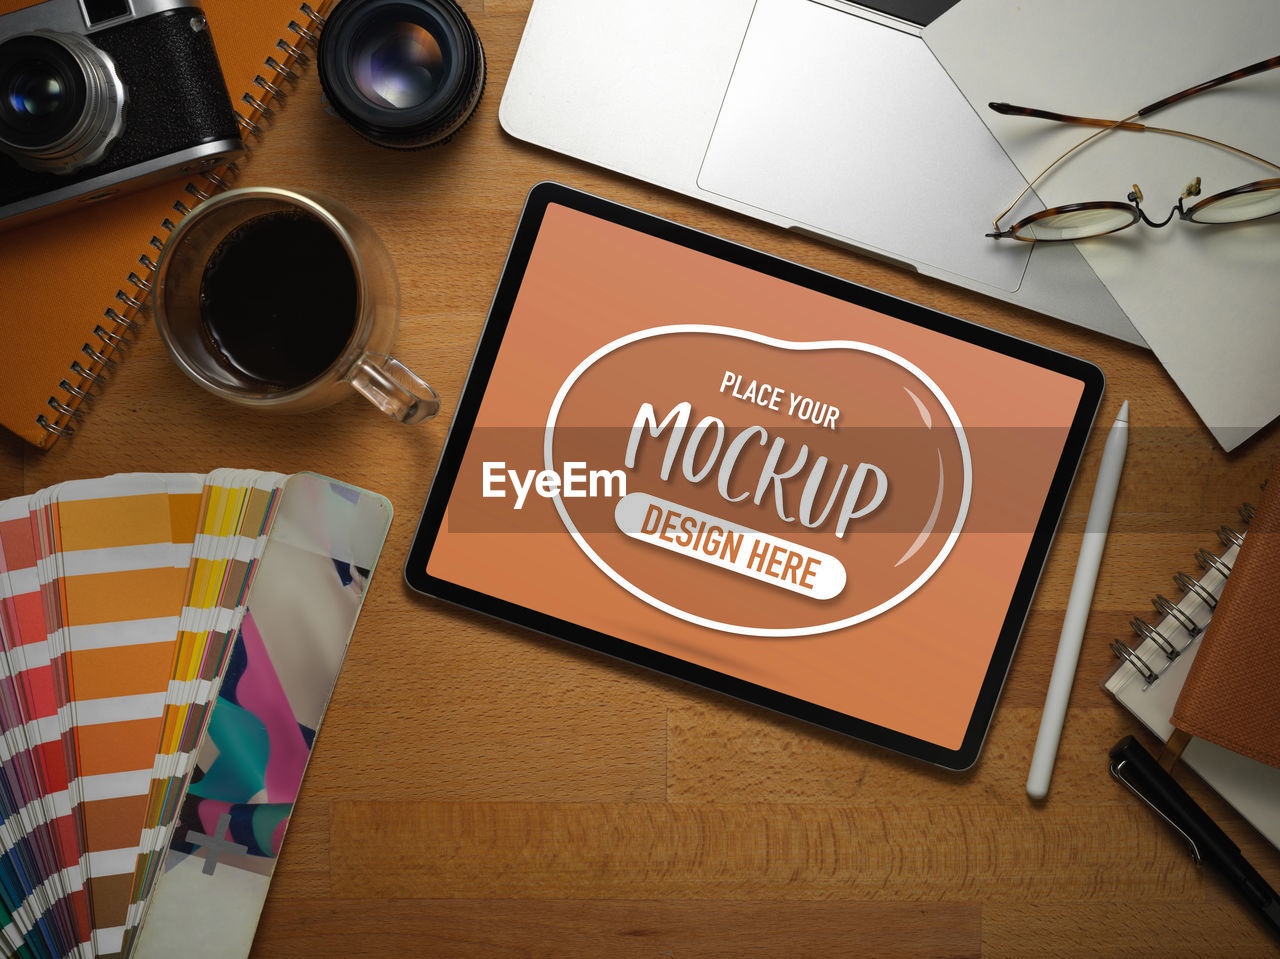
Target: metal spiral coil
{"points": [[1146, 631], [295, 52], [221, 178], [113, 340], [120, 320], [104, 360], [1193, 587], [1208, 561], [276, 92], [1206, 593], [1230, 537], [281, 71], [86, 374], [50, 427], [258, 105], [1172, 609], [1126, 653], [84, 397], [130, 301], [303, 32], [64, 410]]}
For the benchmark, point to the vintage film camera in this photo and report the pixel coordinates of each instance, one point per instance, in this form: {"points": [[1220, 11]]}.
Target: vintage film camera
{"points": [[102, 96]]}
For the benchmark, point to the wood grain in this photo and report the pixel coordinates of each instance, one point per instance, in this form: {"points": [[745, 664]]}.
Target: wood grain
{"points": [[11, 465], [637, 929], [478, 791]]}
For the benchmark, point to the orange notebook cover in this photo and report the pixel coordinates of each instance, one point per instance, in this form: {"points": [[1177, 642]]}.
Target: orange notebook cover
{"points": [[1230, 694], [73, 285]]}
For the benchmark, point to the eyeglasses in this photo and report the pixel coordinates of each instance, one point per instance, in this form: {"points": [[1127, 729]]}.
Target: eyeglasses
{"points": [[1077, 221]]}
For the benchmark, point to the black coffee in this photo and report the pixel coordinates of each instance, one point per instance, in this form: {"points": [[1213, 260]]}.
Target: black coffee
{"points": [[278, 300]]}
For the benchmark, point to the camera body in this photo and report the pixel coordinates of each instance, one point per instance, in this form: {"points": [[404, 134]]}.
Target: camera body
{"points": [[99, 97]]}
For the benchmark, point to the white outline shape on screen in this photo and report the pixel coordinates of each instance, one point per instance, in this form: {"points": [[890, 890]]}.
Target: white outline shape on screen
{"points": [[670, 610]]}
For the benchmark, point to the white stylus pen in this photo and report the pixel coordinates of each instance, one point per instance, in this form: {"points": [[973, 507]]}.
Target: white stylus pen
{"points": [[1078, 603]]}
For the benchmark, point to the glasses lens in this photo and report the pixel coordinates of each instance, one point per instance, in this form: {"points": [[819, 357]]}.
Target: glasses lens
{"points": [[1078, 224], [399, 65], [1259, 199]]}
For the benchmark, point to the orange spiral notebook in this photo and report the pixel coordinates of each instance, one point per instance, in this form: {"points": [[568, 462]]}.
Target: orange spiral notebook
{"points": [[73, 285]]}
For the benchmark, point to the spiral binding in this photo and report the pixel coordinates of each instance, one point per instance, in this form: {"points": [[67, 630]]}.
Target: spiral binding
{"points": [[283, 72], [1173, 613], [113, 337]]}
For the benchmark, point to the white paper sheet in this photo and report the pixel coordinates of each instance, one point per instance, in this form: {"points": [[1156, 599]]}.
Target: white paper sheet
{"points": [[1203, 297]]}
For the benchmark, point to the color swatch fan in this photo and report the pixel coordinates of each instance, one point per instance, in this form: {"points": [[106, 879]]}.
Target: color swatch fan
{"points": [[161, 684]]}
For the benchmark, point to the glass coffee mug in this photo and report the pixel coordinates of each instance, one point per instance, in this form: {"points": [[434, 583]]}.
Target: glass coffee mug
{"points": [[284, 300]]}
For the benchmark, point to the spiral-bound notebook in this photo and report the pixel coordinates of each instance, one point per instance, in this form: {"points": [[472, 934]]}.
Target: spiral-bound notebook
{"points": [[1154, 670], [73, 285]]}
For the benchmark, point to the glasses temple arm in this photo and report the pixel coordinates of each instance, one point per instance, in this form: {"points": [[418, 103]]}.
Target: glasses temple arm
{"points": [[1262, 66], [1013, 110], [1009, 109], [1039, 176], [1215, 143]]}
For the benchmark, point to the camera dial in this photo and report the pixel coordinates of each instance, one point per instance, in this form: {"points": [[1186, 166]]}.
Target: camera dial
{"points": [[61, 102]]}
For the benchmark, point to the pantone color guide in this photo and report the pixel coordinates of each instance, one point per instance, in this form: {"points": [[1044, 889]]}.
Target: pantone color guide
{"points": [[125, 604]]}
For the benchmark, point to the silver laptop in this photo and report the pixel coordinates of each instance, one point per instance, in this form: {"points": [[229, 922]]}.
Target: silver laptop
{"points": [[826, 117]]}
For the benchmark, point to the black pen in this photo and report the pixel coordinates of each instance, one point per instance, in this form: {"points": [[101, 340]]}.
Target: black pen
{"points": [[1137, 769]]}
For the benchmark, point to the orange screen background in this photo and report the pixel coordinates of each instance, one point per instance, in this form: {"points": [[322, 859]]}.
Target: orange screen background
{"points": [[916, 668]]}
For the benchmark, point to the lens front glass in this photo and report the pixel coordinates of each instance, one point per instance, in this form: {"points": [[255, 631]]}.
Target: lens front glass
{"points": [[34, 92], [399, 64], [1077, 224], [405, 74], [1262, 200], [42, 92]]}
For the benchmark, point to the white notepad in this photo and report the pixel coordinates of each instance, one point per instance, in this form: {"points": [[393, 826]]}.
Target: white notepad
{"points": [[1251, 787]]}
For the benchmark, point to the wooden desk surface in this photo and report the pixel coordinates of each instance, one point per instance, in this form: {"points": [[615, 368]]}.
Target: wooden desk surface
{"points": [[478, 791]]}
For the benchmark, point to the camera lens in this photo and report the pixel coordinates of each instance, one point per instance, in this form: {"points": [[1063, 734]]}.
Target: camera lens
{"points": [[404, 73], [400, 68], [61, 102], [35, 93]]}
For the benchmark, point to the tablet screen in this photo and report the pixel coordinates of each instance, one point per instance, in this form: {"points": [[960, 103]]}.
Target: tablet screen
{"points": [[753, 476]]}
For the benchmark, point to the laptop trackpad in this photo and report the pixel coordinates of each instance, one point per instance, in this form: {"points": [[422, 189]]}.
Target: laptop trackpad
{"points": [[855, 130]]}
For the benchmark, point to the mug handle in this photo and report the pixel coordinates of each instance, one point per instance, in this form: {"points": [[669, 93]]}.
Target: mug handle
{"points": [[393, 388]]}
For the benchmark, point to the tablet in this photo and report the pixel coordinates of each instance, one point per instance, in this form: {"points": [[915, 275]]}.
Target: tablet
{"points": [[752, 476]]}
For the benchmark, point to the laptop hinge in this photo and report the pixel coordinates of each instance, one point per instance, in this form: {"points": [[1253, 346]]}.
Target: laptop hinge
{"points": [[875, 16]]}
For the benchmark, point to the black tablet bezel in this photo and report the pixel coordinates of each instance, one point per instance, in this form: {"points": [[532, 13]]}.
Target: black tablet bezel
{"points": [[451, 457]]}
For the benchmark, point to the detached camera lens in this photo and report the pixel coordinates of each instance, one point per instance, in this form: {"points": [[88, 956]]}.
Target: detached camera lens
{"points": [[404, 73], [401, 68], [61, 102]]}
